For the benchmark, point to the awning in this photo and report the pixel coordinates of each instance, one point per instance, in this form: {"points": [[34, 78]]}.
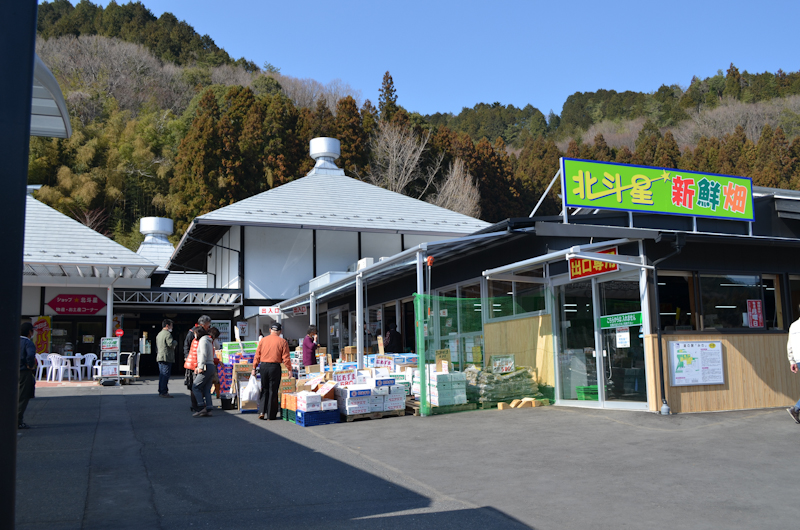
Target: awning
{"points": [[49, 116], [402, 263]]}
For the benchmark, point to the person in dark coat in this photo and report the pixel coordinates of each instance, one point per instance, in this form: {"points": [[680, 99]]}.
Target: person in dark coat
{"points": [[393, 342], [27, 365]]}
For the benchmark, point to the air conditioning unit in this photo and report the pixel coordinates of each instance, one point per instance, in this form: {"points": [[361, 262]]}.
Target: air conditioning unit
{"points": [[364, 262]]}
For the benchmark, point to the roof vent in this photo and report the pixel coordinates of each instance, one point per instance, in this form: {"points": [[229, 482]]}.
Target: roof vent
{"points": [[325, 151], [325, 148], [156, 247]]}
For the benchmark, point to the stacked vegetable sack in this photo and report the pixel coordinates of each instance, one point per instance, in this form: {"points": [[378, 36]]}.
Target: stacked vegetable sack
{"points": [[483, 386]]}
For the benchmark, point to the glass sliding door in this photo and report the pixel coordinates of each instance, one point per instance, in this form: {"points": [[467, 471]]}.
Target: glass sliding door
{"points": [[600, 357], [622, 359], [577, 361]]}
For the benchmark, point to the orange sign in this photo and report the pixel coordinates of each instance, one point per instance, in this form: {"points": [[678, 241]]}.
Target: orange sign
{"points": [[582, 268], [41, 338]]}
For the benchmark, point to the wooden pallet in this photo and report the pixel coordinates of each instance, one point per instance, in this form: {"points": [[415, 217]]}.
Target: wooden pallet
{"points": [[374, 415], [540, 402], [412, 407]]}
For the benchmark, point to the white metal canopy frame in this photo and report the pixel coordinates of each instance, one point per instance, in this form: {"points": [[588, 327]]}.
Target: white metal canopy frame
{"points": [[411, 259], [627, 265]]}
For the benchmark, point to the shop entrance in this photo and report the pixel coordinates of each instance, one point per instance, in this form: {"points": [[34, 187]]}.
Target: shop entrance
{"points": [[338, 331], [600, 343]]}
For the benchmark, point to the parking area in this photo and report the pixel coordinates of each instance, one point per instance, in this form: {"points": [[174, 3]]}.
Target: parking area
{"points": [[100, 457]]}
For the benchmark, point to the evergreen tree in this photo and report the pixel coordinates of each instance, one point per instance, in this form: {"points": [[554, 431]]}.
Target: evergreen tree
{"points": [[351, 134], [387, 102], [600, 151], [194, 188], [369, 118], [624, 156], [733, 80], [323, 124], [667, 153]]}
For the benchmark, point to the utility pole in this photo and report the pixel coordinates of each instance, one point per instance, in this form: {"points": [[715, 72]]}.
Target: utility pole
{"points": [[18, 38]]}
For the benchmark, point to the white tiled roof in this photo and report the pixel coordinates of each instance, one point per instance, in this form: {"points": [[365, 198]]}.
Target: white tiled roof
{"points": [[328, 199], [57, 245]]}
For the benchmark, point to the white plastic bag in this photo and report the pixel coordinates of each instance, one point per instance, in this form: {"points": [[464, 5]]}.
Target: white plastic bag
{"points": [[252, 391]]}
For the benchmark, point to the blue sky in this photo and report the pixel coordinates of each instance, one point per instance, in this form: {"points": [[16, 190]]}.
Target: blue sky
{"points": [[445, 55]]}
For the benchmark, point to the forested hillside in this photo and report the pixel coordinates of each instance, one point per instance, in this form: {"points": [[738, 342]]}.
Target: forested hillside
{"points": [[167, 123]]}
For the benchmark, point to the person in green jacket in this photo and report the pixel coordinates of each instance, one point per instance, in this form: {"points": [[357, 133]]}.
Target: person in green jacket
{"points": [[166, 356]]}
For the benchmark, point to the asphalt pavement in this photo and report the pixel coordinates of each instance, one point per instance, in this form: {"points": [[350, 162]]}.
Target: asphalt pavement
{"points": [[105, 457]]}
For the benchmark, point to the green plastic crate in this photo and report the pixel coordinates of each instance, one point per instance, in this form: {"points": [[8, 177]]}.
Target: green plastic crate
{"points": [[587, 393]]}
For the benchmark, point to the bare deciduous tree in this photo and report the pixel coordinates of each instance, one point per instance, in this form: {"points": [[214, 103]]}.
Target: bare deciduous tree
{"points": [[396, 160], [458, 191], [306, 92]]}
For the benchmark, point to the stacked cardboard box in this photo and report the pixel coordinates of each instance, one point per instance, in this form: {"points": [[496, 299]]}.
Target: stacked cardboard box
{"points": [[442, 388]]}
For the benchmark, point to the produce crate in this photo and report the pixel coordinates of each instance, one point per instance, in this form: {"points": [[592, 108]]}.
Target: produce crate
{"points": [[289, 415], [587, 393], [309, 419]]}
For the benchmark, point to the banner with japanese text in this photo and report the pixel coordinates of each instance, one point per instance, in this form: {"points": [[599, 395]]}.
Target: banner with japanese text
{"points": [[606, 186], [41, 338]]}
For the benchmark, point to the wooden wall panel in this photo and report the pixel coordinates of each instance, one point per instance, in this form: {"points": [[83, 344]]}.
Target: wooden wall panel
{"points": [[756, 375], [529, 339]]}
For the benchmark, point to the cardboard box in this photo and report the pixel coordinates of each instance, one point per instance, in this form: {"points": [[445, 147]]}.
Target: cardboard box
{"points": [[380, 391], [308, 397], [376, 407], [309, 407], [376, 399], [351, 411], [356, 391], [384, 382], [354, 402], [395, 398], [329, 404], [397, 389], [394, 406]]}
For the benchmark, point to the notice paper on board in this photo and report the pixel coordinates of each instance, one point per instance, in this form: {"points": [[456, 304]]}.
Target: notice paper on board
{"points": [[696, 363]]}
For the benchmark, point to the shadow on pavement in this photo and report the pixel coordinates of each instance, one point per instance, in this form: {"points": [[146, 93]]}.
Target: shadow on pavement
{"points": [[125, 458]]}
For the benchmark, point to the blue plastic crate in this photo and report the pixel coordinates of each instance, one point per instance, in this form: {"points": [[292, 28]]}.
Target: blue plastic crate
{"points": [[309, 419]]}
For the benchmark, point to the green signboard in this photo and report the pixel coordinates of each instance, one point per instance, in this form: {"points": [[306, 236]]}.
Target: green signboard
{"points": [[621, 321], [607, 186]]}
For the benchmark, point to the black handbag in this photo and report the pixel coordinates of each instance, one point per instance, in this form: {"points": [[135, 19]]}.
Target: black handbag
{"points": [[188, 380]]}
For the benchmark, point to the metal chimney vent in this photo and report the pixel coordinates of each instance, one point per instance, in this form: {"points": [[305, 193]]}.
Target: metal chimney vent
{"points": [[156, 247]]}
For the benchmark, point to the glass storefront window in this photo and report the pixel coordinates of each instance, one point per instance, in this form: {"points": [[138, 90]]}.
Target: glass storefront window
{"points": [[529, 297], [773, 306], [794, 290], [677, 301], [470, 308], [725, 299], [501, 299]]}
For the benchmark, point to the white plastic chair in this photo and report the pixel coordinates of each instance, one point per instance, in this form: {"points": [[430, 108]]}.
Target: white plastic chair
{"points": [[43, 365], [76, 365], [88, 363], [58, 366]]}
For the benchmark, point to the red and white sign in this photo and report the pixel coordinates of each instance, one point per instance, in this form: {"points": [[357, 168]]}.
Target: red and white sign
{"points": [[119, 332], [269, 310], [384, 361], [345, 377], [755, 314], [582, 268], [76, 304], [300, 310]]}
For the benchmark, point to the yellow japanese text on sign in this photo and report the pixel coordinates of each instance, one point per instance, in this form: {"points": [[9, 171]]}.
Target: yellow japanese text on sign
{"points": [[582, 268]]}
